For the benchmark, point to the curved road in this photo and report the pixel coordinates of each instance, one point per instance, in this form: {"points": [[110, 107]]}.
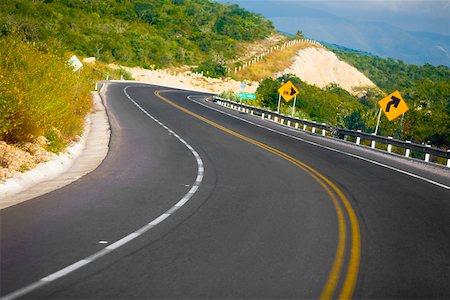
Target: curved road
{"points": [[198, 201]]}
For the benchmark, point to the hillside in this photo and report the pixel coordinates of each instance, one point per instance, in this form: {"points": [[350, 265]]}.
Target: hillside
{"points": [[147, 33], [321, 67], [384, 37]]}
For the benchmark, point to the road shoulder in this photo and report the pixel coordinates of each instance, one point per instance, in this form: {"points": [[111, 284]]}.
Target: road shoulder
{"points": [[78, 160]]}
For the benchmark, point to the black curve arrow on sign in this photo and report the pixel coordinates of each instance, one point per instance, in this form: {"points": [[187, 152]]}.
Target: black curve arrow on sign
{"points": [[394, 101], [292, 91]]}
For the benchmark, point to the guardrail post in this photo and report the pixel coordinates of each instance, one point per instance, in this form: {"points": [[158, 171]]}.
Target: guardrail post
{"points": [[251, 112], [389, 148], [304, 127], [296, 125], [373, 143], [313, 130], [407, 150], [268, 117], [282, 121], [427, 155], [358, 138], [289, 123], [448, 160], [275, 119], [323, 130], [262, 116]]}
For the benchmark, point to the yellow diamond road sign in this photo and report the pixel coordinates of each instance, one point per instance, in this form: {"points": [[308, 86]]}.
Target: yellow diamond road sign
{"points": [[288, 91], [393, 105]]}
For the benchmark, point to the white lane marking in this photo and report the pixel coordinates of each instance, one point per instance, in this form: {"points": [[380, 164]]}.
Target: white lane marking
{"points": [[326, 147], [122, 241], [66, 270], [69, 269]]}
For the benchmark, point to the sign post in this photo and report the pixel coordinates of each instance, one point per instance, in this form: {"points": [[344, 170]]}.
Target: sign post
{"points": [[279, 102], [287, 91], [378, 122], [293, 106]]}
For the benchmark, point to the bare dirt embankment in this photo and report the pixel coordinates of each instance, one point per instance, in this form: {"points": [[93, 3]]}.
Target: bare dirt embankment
{"points": [[20, 158], [189, 80], [319, 66]]}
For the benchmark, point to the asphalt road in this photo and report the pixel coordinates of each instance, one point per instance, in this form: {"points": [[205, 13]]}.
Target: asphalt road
{"points": [[274, 215]]}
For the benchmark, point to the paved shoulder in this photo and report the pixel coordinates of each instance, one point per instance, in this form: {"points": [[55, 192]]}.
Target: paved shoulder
{"points": [[80, 159]]}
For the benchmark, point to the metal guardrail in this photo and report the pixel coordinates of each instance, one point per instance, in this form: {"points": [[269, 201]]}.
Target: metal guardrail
{"points": [[340, 133]]}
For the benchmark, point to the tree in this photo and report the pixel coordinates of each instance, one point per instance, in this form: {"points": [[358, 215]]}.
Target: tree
{"points": [[267, 93]]}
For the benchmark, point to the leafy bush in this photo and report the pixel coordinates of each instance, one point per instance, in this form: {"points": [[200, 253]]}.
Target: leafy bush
{"points": [[328, 105]]}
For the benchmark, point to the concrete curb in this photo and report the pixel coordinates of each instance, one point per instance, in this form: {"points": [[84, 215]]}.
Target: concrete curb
{"points": [[78, 160]]}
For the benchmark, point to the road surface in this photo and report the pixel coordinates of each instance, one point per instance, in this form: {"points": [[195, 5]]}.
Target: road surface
{"points": [[191, 202]]}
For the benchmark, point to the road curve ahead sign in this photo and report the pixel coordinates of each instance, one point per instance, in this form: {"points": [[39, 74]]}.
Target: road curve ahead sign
{"points": [[288, 91], [393, 105]]}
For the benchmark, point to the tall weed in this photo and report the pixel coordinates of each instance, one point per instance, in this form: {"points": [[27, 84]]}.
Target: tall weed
{"points": [[39, 95]]}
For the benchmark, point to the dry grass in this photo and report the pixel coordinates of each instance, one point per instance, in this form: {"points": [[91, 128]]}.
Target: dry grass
{"points": [[256, 48], [41, 96], [276, 61]]}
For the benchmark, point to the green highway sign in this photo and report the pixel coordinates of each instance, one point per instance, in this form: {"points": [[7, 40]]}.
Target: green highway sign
{"points": [[243, 95]]}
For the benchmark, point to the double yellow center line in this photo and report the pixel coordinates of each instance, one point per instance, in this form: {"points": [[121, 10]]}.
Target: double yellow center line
{"points": [[343, 209]]}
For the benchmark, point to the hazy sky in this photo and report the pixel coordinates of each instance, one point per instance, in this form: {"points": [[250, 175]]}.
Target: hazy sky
{"points": [[410, 15]]}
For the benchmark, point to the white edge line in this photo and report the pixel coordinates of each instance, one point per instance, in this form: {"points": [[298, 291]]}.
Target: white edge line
{"points": [[75, 266], [326, 147]]}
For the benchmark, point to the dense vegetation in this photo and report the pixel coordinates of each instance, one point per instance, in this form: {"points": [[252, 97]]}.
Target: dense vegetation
{"points": [[40, 95], [426, 90], [329, 105], [131, 32]]}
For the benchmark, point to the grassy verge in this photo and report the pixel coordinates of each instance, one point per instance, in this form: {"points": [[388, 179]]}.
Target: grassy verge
{"points": [[40, 95]]}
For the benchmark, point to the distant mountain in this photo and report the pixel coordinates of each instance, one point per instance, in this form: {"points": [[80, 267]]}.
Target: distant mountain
{"points": [[381, 39]]}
